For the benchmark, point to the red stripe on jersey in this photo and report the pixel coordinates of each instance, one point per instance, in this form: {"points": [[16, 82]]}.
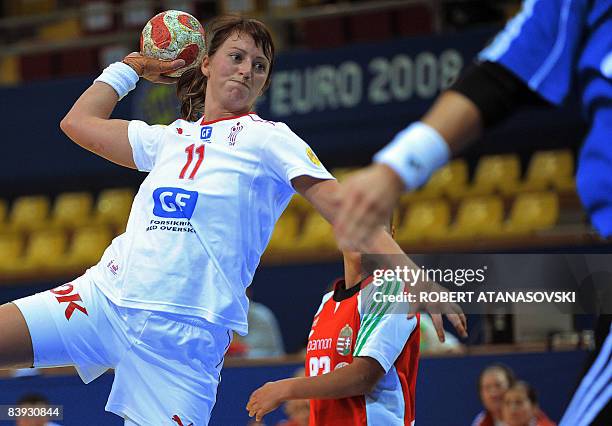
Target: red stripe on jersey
{"points": [[204, 123]]}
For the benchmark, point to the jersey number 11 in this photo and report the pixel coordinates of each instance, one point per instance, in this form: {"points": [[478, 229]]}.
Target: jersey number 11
{"points": [[189, 150]]}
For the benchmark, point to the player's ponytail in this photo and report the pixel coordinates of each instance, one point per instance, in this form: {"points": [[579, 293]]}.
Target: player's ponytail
{"points": [[191, 91], [191, 87]]}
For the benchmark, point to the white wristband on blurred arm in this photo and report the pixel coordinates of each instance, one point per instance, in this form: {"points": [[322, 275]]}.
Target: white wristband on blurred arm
{"points": [[120, 77], [415, 153]]}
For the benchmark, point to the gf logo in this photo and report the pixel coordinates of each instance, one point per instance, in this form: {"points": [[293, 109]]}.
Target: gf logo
{"points": [[174, 202], [63, 296], [206, 133]]}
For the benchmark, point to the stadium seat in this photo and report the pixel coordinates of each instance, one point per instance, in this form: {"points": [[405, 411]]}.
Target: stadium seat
{"points": [[493, 173], [44, 252], [451, 180], [88, 244], [285, 231], [531, 212], [316, 233], [550, 169], [72, 209], [478, 216], [113, 207], [11, 247], [422, 220], [29, 213]]}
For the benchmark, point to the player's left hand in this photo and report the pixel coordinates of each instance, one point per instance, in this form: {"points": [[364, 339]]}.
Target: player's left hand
{"points": [[267, 398], [366, 199]]}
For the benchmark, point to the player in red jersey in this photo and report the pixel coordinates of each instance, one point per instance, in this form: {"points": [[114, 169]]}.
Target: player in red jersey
{"points": [[369, 349]]}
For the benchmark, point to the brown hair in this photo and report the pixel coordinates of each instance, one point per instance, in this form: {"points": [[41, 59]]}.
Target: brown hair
{"points": [[191, 87]]}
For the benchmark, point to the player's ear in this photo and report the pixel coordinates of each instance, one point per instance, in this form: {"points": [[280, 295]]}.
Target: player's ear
{"points": [[205, 67]]}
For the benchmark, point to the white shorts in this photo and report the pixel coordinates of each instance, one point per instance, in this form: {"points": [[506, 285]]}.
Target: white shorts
{"points": [[167, 367]]}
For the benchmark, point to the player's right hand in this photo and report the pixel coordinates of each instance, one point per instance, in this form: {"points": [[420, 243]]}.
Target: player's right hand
{"points": [[453, 312], [153, 69]]}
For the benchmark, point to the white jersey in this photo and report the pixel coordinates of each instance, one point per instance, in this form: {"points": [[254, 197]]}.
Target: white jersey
{"points": [[203, 216]]}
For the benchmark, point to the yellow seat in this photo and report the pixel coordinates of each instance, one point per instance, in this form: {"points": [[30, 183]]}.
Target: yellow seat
{"points": [[317, 233], [450, 180], [88, 245], [285, 231], [550, 169], [534, 211], [44, 251], [113, 207], [422, 220], [11, 247], [72, 210], [478, 216], [493, 173], [29, 213]]}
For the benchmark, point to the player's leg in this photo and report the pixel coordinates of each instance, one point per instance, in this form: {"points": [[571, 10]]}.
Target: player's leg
{"points": [[68, 325], [15, 340], [171, 373]]}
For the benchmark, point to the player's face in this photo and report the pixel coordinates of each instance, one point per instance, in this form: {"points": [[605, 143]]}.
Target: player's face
{"points": [[492, 388], [237, 73], [517, 409]]}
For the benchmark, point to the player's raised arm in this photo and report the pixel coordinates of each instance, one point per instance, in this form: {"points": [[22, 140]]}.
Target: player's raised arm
{"points": [[322, 195], [486, 94], [88, 124]]}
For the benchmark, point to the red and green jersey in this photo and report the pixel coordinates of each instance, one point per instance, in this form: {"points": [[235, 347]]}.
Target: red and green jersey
{"points": [[357, 322]]}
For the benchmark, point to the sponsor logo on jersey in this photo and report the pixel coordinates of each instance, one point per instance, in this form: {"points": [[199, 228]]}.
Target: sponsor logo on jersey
{"points": [[345, 338], [113, 267], [206, 133], [66, 294], [174, 202], [180, 131], [313, 157], [236, 128], [319, 344]]}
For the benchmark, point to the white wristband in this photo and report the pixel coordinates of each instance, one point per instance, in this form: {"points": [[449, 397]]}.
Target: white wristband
{"points": [[120, 77], [415, 153]]}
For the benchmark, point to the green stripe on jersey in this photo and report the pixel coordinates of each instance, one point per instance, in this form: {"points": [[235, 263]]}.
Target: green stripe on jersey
{"points": [[375, 317]]}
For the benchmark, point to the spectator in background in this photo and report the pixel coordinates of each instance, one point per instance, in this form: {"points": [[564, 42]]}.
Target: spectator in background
{"points": [[493, 383], [33, 400], [520, 407], [264, 338]]}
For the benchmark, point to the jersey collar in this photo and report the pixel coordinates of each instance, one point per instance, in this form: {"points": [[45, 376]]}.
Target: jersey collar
{"points": [[205, 123], [342, 293]]}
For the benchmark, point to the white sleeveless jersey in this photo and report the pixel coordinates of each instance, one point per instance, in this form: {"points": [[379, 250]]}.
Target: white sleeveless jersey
{"points": [[203, 216]]}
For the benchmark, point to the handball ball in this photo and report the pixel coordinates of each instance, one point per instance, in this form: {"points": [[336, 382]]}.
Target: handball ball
{"points": [[173, 35]]}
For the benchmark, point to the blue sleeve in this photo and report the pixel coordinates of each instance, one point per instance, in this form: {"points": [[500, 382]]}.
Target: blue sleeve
{"points": [[540, 45]]}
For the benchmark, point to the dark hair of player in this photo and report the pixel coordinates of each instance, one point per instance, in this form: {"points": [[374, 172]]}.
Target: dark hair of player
{"points": [[191, 87]]}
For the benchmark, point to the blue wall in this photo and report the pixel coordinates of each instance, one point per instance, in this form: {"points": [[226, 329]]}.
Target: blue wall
{"points": [[446, 389]]}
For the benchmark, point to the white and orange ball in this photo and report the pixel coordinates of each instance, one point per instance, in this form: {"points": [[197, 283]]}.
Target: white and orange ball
{"points": [[174, 35]]}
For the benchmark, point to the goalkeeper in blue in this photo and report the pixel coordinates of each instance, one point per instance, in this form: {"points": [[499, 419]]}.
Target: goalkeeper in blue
{"points": [[551, 48]]}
